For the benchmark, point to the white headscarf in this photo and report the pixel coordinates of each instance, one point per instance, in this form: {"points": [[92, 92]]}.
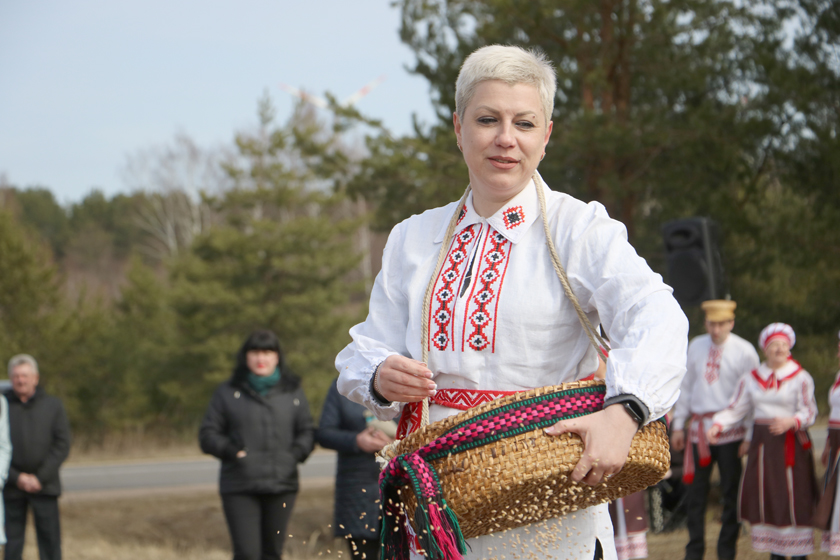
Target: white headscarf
{"points": [[774, 331]]}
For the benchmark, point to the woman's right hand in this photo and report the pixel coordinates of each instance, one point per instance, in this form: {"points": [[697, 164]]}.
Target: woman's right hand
{"points": [[713, 433], [402, 379]]}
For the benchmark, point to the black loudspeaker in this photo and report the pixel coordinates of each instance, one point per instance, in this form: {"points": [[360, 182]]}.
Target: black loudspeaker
{"points": [[695, 267]]}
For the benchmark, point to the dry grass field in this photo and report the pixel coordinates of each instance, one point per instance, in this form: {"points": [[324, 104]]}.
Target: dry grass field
{"points": [[175, 525], [188, 525]]}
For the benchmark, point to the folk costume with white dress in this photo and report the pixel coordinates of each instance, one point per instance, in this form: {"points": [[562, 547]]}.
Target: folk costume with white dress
{"points": [[500, 323], [827, 516], [713, 373], [778, 489]]}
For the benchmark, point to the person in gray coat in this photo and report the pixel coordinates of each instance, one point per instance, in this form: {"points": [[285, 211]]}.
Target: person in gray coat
{"points": [[259, 424], [40, 434], [351, 429]]}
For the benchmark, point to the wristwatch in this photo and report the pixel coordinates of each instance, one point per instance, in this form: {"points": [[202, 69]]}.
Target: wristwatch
{"points": [[633, 410], [634, 407]]}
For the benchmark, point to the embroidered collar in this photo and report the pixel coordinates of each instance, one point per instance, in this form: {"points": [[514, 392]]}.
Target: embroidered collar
{"points": [[769, 379], [512, 220]]}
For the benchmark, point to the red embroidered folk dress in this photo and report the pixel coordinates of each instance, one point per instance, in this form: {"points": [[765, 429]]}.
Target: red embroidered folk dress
{"points": [[499, 322], [778, 490]]}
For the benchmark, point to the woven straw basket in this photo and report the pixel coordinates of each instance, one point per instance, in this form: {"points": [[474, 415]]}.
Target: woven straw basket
{"points": [[524, 478]]}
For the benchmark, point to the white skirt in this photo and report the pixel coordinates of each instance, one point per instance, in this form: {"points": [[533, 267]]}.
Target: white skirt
{"points": [[570, 537]]}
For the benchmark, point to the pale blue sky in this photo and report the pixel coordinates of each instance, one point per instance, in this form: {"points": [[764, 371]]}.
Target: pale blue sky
{"points": [[86, 83]]}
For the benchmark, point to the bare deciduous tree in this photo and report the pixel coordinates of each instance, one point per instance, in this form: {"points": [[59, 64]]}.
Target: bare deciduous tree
{"points": [[177, 177]]}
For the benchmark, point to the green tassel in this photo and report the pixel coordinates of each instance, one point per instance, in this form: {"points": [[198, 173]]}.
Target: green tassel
{"points": [[456, 527], [425, 535]]}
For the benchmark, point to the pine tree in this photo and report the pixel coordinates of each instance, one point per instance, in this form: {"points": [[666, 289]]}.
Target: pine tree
{"points": [[28, 290], [282, 260]]}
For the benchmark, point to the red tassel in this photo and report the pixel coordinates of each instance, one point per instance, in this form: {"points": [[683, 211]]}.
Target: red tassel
{"points": [[688, 464], [445, 538], [790, 448]]}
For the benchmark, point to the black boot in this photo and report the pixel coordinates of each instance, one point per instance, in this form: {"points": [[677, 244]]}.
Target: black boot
{"points": [[798, 558], [777, 557]]}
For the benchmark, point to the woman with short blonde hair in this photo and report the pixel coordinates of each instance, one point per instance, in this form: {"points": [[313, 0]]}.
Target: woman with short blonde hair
{"points": [[498, 319]]}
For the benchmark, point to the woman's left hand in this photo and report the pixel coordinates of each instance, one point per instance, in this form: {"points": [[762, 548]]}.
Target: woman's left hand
{"points": [[606, 436], [782, 424]]}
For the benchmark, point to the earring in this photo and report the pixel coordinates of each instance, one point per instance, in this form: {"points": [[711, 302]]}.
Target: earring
{"points": [[459, 147], [542, 157]]}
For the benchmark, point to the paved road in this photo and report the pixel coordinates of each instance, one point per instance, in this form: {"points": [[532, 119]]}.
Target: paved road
{"points": [[166, 474], [205, 471]]}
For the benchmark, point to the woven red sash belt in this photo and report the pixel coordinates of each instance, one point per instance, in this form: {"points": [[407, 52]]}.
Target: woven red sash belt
{"points": [[703, 450], [460, 399], [435, 523]]}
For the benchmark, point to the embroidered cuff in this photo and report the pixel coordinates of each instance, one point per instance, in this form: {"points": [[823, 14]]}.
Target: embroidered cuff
{"points": [[378, 399], [634, 402]]}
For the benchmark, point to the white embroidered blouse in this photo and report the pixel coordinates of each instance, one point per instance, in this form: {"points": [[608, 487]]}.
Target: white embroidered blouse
{"points": [[786, 392], [712, 374], [511, 327]]}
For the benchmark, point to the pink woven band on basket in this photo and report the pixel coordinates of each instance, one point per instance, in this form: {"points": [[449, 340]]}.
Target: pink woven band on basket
{"points": [[436, 524]]}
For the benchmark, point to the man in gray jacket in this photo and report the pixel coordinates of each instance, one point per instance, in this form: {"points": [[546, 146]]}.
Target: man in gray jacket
{"points": [[40, 435]]}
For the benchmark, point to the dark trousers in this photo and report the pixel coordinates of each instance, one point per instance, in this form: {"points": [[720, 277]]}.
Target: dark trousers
{"points": [[729, 467], [363, 549], [257, 524], [47, 526]]}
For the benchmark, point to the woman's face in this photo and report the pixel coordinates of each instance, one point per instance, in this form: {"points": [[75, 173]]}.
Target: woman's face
{"points": [[503, 136], [262, 362], [777, 352]]}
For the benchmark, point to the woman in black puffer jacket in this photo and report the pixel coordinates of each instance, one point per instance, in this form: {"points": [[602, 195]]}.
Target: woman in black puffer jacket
{"points": [[259, 424]]}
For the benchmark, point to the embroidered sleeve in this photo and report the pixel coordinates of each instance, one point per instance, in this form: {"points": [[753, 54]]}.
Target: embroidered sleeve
{"points": [[806, 404], [739, 407], [646, 327], [379, 336]]}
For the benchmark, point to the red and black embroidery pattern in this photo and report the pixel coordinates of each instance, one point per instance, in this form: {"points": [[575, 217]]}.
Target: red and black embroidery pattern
{"points": [[713, 364], [484, 300], [462, 215], [446, 289], [513, 217]]}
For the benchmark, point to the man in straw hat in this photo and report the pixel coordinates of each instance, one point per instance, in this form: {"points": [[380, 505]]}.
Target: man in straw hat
{"points": [[716, 362]]}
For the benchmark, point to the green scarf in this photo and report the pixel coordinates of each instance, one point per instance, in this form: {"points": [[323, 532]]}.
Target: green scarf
{"points": [[262, 383]]}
